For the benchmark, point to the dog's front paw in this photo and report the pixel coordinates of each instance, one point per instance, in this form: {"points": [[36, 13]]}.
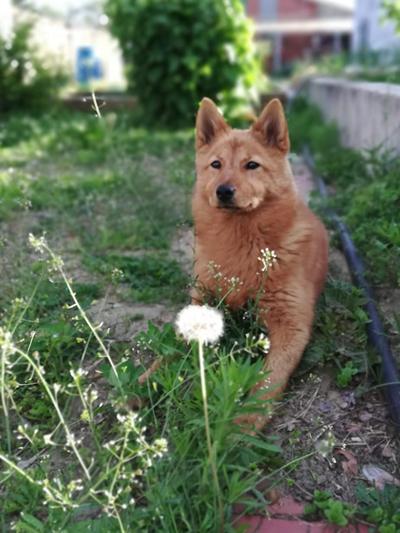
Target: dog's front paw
{"points": [[252, 423]]}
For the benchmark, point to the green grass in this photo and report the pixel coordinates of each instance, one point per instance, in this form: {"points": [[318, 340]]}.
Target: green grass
{"points": [[110, 198], [103, 184]]}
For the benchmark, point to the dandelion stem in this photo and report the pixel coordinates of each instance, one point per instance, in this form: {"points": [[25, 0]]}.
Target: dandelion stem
{"points": [[211, 452]]}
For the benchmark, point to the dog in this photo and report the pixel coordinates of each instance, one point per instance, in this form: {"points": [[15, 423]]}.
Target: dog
{"points": [[244, 202]]}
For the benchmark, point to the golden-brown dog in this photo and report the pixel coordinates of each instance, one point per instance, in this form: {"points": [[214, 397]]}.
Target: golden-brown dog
{"points": [[244, 201]]}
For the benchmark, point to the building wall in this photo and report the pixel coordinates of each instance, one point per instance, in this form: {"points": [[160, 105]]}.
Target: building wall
{"points": [[268, 9], [295, 47], [348, 103], [370, 32], [253, 8], [297, 9]]}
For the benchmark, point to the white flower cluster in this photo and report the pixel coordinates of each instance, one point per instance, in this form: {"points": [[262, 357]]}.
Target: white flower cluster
{"points": [[6, 345], [325, 445], [267, 258], [200, 323], [232, 283], [255, 342], [38, 243]]}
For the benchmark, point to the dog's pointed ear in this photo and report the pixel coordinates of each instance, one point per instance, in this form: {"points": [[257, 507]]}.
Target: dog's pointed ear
{"points": [[209, 123], [272, 127]]}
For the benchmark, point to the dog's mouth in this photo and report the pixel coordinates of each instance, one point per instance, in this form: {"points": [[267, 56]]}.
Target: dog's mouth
{"points": [[234, 207], [228, 207]]}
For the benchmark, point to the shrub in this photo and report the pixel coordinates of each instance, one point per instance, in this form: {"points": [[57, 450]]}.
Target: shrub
{"points": [[25, 81], [391, 9], [179, 51]]}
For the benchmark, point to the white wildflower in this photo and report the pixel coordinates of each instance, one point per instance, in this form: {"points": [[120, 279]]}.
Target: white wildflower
{"points": [[264, 343], [38, 243], [200, 323], [160, 447], [325, 445], [268, 258], [6, 345], [48, 439]]}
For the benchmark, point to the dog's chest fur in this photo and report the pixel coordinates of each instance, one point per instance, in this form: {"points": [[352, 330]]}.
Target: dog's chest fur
{"points": [[228, 251]]}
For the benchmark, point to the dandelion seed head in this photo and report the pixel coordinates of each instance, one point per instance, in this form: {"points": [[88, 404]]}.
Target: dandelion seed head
{"points": [[200, 323]]}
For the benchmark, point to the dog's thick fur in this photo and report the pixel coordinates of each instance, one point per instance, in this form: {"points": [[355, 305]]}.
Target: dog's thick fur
{"points": [[264, 212]]}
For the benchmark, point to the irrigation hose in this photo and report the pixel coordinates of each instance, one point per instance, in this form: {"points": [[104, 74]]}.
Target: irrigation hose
{"points": [[375, 330]]}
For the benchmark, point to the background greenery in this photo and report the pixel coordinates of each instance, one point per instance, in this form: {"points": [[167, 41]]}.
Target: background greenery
{"points": [[179, 51], [27, 81]]}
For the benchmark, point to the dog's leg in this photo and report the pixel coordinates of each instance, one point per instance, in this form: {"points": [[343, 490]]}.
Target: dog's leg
{"points": [[289, 321]]}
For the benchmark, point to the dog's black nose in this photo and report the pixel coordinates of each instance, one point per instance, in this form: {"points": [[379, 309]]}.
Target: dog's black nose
{"points": [[225, 193]]}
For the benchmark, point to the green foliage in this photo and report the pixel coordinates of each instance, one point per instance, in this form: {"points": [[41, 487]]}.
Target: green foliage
{"points": [[26, 82], [152, 278], [335, 511], [365, 186], [57, 344], [182, 50], [392, 12], [113, 188], [180, 487], [345, 375], [339, 332], [380, 507]]}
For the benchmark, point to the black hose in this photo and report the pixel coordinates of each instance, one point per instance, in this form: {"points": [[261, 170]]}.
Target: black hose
{"points": [[376, 334]]}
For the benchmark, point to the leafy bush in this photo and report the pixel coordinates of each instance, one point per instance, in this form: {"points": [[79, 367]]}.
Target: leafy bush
{"points": [[392, 12], [335, 511], [179, 51], [25, 81], [380, 507]]}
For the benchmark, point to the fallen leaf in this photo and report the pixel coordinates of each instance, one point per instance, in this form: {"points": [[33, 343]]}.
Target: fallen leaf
{"points": [[379, 477], [388, 451], [325, 406], [354, 428], [351, 465]]}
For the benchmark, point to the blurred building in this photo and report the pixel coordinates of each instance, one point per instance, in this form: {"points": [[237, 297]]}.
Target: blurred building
{"points": [[75, 34], [301, 29], [371, 31]]}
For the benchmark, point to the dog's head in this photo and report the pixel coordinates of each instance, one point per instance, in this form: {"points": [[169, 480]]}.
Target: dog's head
{"points": [[241, 169]]}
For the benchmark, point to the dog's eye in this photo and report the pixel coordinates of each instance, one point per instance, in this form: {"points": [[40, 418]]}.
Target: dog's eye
{"points": [[216, 164], [251, 165]]}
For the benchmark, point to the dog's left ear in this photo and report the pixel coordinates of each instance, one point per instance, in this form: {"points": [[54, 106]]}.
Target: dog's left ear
{"points": [[272, 126], [209, 123]]}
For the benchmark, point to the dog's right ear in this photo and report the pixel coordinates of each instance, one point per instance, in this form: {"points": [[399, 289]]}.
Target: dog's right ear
{"points": [[209, 123]]}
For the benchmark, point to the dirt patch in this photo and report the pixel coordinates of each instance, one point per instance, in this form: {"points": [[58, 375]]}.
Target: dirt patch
{"points": [[338, 265], [121, 321], [357, 430], [182, 248], [303, 176]]}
